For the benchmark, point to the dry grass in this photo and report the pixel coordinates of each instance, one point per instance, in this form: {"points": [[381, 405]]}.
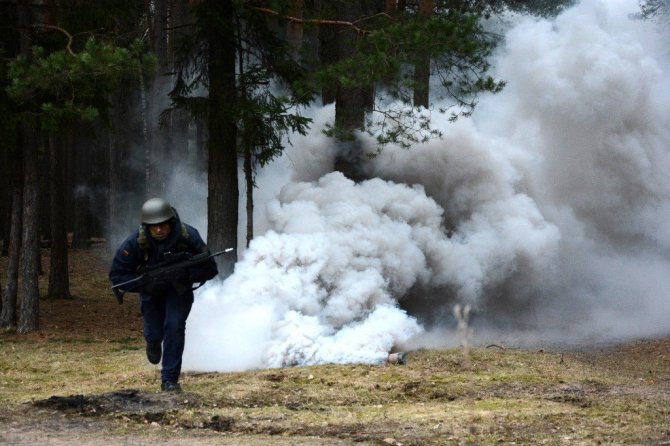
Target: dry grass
{"points": [[91, 348]]}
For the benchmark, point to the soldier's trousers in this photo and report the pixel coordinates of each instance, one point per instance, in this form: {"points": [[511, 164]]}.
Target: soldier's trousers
{"points": [[165, 321]]}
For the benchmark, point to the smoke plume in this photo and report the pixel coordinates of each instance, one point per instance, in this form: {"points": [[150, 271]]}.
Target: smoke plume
{"points": [[546, 212]]}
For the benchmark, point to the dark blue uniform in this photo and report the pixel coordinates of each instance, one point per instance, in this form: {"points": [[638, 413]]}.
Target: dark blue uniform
{"points": [[164, 309]]}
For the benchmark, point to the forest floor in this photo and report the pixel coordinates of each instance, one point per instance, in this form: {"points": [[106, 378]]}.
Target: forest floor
{"points": [[83, 379]]}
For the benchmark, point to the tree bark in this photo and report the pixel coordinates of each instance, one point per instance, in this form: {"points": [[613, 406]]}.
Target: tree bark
{"points": [[125, 178], [82, 199], [30, 295], [422, 64], [30, 299], [113, 182], [180, 121], [59, 281], [146, 139], [249, 179], [223, 191], [294, 30], [10, 291], [351, 102], [328, 50], [44, 224], [201, 138], [5, 199], [160, 146]]}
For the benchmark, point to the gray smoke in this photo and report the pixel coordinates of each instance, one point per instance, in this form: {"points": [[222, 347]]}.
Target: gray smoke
{"points": [[546, 212]]}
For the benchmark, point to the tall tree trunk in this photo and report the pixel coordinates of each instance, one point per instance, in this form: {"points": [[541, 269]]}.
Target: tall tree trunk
{"points": [[81, 233], [180, 121], [97, 215], [146, 139], [5, 199], [248, 152], [126, 182], [422, 64], [113, 182], [201, 138], [249, 179], [10, 291], [44, 224], [351, 102], [223, 193], [328, 49], [160, 146], [30, 294], [59, 281], [294, 30]]}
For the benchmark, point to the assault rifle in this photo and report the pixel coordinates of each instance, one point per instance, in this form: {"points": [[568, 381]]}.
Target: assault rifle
{"points": [[164, 271]]}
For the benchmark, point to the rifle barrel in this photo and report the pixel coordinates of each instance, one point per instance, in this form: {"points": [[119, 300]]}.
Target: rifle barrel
{"points": [[174, 266]]}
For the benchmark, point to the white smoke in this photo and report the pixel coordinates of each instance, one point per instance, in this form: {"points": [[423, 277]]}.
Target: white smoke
{"points": [[546, 211]]}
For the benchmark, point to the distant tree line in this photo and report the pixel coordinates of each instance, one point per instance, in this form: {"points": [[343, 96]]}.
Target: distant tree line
{"points": [[97, 97]]}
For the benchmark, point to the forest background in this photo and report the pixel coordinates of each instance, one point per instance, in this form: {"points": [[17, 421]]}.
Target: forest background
{"points": [[101, 100]]}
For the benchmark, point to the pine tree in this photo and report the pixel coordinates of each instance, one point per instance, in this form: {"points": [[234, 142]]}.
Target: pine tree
{"points": [[55, 83]]}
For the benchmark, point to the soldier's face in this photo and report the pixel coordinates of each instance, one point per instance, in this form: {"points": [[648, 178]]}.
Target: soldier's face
{"points": [[160, 231]]}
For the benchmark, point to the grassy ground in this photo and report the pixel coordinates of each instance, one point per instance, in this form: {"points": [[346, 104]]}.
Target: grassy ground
{"points": [[83, 378]]}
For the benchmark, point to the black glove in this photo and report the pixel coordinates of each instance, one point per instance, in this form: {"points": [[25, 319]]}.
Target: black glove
{"points": [[156, 288], [202, 274], [182, 278]]}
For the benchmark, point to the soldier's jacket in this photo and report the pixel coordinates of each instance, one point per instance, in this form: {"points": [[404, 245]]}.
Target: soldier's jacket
{"points": [[140, 250]]}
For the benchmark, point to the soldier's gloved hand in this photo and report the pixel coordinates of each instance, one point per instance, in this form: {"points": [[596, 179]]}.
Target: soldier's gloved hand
{"points": [[157, 288], [182, 278], [200, 275]]}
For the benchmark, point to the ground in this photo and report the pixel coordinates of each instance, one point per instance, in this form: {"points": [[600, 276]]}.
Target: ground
{"points": [[83, 379]]}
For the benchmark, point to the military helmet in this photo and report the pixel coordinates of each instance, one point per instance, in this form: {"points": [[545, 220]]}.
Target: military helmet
{"points": [[156, 210]]}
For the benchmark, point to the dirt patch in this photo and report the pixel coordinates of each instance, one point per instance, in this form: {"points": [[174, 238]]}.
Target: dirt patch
{"points": [[150, 406]]}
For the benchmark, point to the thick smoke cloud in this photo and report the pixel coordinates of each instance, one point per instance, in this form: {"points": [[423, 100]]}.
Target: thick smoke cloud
{"points": [[546, 212]]}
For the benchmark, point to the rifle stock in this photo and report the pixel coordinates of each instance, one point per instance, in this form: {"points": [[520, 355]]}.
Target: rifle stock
{"points": [[164, 270]]}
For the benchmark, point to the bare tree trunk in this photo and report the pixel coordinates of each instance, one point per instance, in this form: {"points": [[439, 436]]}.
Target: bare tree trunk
{"points": [[82, 194], [5, 199], [294, 30], [30, 297], [223, 192], [160, 145], [44, 224], [351, 102], [201, 138], [113, 189], [422, 64], [126, 185], [145, 136], [15, 179], [30, 294], [10, 291], [328, 49], [249, 178], [59, 280], [181, 122]]}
